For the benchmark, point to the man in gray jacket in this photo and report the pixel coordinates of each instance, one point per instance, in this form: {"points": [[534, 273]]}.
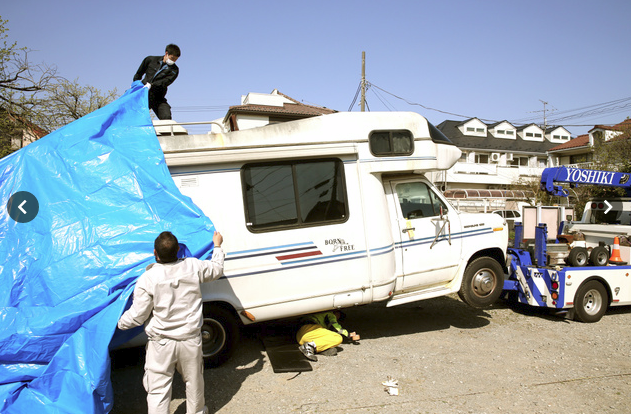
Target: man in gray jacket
{"points": [[169, 295]]}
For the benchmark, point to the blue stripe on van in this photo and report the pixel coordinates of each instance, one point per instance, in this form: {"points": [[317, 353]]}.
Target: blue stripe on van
{"points": [[315, 261], [429, 240]]}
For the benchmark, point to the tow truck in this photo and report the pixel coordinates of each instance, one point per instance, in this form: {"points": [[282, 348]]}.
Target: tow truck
{"points": [[575, 274]]}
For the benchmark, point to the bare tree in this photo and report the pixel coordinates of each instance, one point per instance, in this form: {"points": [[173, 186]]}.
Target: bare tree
{"points": [[22, 85], [34, 100], [67, 101]]}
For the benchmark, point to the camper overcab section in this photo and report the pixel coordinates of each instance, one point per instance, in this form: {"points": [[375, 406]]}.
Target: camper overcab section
{"points": [[332, 211]]}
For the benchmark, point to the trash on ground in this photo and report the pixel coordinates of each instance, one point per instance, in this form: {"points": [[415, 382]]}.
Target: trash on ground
{"points": [[391, 386]]}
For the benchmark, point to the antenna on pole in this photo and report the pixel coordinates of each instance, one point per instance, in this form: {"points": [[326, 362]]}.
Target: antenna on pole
{"points": [[545, 123], [363, 85]]}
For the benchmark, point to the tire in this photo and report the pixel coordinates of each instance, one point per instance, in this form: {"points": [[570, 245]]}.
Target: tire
{"points": [[482, 283], [220, 334], [599, 256], [591, 302], [578, 257]]}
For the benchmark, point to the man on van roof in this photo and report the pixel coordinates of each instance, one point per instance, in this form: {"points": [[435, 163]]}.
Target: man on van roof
{"points": [[159, 72]]}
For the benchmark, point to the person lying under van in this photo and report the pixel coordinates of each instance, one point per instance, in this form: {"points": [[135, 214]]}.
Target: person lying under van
{"points": [[321, 333]]}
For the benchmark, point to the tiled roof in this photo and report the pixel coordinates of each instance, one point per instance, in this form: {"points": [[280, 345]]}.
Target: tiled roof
{"points": [[286, 109], [622, 126], [579, 141], [289, 109], [490, 143]]}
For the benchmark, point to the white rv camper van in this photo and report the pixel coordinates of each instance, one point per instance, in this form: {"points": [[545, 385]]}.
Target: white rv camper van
{"points": [[330, 212]]}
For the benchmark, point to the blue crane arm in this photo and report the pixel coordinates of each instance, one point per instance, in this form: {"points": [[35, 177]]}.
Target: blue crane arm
{"points": [[575, 176]]}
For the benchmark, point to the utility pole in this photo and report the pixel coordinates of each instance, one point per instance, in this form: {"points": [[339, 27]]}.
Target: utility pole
{"points": [[363, 85]]}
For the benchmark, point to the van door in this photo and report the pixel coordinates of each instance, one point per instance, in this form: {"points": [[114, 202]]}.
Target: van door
{"points": [[429, 243]]}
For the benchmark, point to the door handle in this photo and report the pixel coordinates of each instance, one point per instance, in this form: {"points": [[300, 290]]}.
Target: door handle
{"points": [[408, 229]]}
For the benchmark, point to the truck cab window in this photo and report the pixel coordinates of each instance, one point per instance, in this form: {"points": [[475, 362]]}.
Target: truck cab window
{"points": [[418, 200], [614, 216], [294, 194]]}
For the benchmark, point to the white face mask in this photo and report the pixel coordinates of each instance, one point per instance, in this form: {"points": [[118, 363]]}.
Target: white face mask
{"points": [[169, 62]]}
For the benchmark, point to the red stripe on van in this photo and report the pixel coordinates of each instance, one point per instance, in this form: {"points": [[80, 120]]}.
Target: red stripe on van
{"points": [[299, 255]]}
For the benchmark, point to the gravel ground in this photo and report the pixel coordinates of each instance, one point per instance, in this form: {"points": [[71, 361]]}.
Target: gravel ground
{"points": [[447, 358]]}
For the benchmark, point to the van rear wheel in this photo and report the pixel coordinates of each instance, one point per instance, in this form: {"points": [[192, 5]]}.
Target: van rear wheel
{"points": [[482, 283], [220, 334]]}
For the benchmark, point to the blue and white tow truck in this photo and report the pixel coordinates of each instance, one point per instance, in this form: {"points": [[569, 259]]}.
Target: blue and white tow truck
{"points": [[574, 274]]}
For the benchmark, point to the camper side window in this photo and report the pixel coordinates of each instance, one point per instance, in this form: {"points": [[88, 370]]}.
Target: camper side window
{"points": [[284, 195], [390, 143]]}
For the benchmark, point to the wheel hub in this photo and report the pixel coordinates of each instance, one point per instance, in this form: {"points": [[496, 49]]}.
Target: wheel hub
{"points": [[483, 282], [592, 302], [213, 337]]}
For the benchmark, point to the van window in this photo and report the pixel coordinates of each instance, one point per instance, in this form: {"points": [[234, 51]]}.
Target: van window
{"points": [[418, 200], [389, 143], [294, 194]]}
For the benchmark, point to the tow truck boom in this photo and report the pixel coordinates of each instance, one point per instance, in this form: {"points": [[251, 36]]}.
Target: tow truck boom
{"points": [[580, 176]]}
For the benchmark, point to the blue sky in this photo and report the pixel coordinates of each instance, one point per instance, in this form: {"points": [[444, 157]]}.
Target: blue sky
{"points": [[494, 60]]}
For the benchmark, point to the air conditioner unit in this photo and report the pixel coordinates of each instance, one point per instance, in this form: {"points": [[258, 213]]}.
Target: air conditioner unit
{"points": [[495, 156], [509, 156]]}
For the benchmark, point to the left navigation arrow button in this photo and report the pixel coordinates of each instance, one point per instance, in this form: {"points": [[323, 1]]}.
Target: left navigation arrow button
{"points": [[23, 207]]}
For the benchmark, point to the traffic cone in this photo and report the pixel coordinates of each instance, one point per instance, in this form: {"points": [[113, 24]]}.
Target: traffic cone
{"points": [[615, 254]]}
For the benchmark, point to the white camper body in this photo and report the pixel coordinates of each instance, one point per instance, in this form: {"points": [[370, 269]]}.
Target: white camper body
{"points": [[329, 212]]}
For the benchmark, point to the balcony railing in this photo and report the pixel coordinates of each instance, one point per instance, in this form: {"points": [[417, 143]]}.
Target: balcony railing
{"points": [[495, 169], [583, 165]]}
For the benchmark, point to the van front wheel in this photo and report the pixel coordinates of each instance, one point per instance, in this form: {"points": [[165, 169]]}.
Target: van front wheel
{"points": [[482, 283]]}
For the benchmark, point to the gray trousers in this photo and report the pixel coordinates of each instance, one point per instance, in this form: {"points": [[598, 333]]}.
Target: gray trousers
{"points": [[164, 356]]}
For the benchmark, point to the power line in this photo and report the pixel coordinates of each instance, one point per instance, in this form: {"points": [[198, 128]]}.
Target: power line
{"points": [[586, 112], [201, 108], [383, 100], [423, 106], [350, 108]]}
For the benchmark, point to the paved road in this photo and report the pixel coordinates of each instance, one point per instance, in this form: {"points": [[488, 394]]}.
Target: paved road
{"points": [[447, 358]]}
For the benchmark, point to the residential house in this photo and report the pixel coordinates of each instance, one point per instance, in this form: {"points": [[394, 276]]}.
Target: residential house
{"points": [[259, 109], [256, 110], [579, 152], [495, 156], [17, 133]]}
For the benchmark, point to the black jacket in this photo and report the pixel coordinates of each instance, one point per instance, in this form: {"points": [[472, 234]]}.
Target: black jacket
{"points": [[159, 83]]}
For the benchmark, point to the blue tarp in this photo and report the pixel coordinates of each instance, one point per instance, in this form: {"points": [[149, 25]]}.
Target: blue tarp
{"points": [[104, 194]]}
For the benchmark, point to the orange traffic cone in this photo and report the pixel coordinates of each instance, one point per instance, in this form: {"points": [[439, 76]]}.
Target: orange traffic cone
{"points": [[615, 254]]}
